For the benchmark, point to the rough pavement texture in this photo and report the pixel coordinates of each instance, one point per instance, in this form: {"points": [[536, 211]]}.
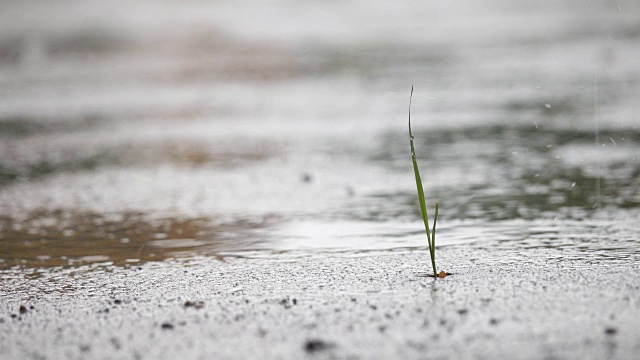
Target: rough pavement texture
{"points": [[499, 304]]}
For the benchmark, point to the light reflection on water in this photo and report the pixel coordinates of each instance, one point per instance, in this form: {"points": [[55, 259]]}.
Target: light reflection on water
{"points": [[134, 240], [65, 238]]}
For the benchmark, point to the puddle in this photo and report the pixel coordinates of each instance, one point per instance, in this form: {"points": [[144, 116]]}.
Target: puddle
{"points": [[45, 155], [504, 173], [67, 238], [520, 188], [202, 130]]}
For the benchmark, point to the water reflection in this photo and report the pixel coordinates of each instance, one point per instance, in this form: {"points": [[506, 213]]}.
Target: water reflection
{"points": [[66, 239], [502, 173], [259, 140], [70, 238], [520, 187], [39, 149]]}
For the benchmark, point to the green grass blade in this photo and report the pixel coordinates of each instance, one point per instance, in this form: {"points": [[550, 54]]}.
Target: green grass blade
{"points": [[433, 236], [421, 199], [423, 206]]}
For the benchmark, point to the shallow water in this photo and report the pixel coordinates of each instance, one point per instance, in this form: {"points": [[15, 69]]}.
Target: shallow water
{"points": [[204, 130]]}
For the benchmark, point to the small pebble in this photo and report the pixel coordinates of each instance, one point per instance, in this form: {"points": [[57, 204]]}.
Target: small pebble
{"points": [[194, 304]]}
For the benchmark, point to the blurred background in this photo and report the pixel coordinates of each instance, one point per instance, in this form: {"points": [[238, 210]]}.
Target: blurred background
{"points": [[140, 130]]}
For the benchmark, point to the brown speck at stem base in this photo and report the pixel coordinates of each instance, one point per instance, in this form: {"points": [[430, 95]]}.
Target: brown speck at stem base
{"points": [[442, 274]]}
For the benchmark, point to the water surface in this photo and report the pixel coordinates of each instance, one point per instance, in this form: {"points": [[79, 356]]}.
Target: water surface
{"points": [[208, 130]]}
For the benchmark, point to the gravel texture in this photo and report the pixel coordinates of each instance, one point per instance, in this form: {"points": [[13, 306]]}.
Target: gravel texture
{"points": [[498, 304]]}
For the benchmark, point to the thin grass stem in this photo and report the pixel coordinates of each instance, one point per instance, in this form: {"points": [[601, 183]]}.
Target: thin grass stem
{"points": [[421, 199], [433, 238]]}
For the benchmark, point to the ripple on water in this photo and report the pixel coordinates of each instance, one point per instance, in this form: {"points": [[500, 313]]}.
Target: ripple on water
{"points": [[76, 239]]}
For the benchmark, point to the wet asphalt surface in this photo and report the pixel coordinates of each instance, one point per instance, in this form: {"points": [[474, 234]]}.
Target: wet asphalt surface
{"points": [[205, 180], [497, 304]]}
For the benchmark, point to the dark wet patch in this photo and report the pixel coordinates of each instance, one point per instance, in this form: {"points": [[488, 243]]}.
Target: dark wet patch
{"points": [[31, 163], [11, 50], [17, 126], [317, 345], [166, 326], [96, 42], [195, 153], [86, 42], [10, 174], [64, 238], [306, 178]]}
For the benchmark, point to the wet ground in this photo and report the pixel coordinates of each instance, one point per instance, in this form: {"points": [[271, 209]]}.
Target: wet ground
{"points": [[502, 302], [274, 159]]}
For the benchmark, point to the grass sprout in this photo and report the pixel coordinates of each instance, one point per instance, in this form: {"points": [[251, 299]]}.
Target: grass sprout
{"points": [[431, 234]]}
